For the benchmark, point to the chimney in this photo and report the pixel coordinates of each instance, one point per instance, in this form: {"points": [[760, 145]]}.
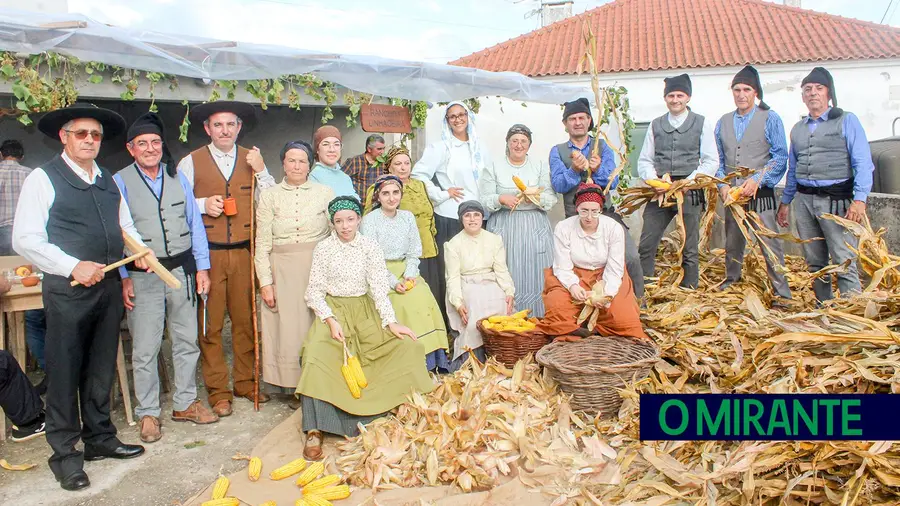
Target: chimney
{"points": [[792, 3], [555, 10]]}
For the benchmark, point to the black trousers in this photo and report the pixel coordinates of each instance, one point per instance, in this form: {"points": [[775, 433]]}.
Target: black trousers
{"points": [[18, 397], [82, 341]]}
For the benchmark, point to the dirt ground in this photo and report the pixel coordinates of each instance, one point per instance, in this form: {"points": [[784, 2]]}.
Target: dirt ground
{"points": [[173, 469]]}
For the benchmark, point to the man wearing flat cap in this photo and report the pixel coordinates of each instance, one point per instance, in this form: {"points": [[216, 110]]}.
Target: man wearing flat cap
{"points": [[682, 145], [69, 223], [830, 170], [752, 136], [569, 164], [222, 174], [167, 217]]}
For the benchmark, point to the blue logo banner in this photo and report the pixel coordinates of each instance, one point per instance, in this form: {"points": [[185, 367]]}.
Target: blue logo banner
{"points": [[769, 417]]}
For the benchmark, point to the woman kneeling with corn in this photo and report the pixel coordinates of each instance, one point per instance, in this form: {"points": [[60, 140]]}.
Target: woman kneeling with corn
{"points": [[396, 232], [589, 269], [348, 292]]}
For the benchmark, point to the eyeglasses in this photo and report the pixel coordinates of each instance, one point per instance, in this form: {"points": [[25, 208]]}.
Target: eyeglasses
{"points": [[142, 145], [584, 213], [82, 134], [329, 145], [457, 117]]}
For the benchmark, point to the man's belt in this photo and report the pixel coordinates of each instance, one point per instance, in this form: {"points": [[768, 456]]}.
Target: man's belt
{"points": [[838, 191], [764, 200], [184, 259], [228, 246]]}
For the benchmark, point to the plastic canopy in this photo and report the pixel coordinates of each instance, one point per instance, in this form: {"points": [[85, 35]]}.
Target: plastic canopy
{"points": [[184, 55]]}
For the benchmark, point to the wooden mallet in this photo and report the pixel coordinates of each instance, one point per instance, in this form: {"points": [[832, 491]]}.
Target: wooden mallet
{"points": [[141, 252]]}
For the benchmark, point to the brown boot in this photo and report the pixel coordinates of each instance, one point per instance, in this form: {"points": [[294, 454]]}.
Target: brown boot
{"points": [[222, 408], [313, 448], [150, 432], [263, 397], [196, 413]]}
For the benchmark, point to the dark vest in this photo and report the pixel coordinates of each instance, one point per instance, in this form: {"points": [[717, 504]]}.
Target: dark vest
{"points": [[822, 154], [677, 150], [84, 218]]}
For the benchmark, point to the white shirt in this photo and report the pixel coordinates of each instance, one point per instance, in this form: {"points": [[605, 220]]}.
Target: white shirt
{"points": [[30, 228], [453, 171], [225, 162], [572, 247], [709, 153]]}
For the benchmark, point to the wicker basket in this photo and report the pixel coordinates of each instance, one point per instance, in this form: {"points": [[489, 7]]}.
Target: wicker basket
{"points": [[592, 369], [509, 347]]}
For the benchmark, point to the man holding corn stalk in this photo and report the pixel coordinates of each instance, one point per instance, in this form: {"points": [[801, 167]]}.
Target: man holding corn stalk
{"points": [[752, 136], [681, 145], [829, 172], [572, 161]]}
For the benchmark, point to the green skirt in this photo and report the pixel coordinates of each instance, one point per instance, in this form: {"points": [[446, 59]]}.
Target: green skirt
{"points": [[418, 310], [394, 367]]}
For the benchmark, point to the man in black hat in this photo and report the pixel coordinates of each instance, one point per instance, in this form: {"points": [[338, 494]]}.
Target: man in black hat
{"points": [[167, 217], [223, 171], [830, 170], [569, 164], [752, 136], [69, 223], [680, 144]]}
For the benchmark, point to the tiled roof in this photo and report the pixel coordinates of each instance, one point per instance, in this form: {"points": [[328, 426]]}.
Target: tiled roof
{"points": [[680, 34]]}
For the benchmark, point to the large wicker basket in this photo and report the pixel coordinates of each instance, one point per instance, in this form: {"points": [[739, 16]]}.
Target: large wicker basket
{"points": [[590, 370], [510, 347]]}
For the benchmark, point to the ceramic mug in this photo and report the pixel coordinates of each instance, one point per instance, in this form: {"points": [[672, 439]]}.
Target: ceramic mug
{"points": [[229, 206]]}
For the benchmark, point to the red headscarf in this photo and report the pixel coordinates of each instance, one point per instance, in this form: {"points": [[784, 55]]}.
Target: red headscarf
{"points": [[589, 192]]}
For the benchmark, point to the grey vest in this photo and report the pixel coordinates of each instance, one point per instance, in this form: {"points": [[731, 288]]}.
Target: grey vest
{"points": [[753, 149], [161, 221], [677, 149], [822, 154]]}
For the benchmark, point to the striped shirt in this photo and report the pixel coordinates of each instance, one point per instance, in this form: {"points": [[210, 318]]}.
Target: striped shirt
{"points": [[12, 176], [361, 173]]}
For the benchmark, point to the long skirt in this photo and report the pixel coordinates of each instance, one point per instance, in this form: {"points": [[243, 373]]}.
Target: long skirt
{"points": [[392, 366], [418, 310], [528, 239], [621, 318], [482, 297], [284, 328], [447, 229]]}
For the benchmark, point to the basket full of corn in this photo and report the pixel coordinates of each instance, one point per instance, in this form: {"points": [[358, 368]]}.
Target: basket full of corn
{"points": [[509, 338]]}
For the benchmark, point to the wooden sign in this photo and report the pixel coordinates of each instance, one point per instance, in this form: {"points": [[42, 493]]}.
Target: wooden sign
{"points": [[388, 119]]}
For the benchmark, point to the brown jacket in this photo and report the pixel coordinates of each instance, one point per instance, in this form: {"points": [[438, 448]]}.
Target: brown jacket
{"points": [[208, 181]]}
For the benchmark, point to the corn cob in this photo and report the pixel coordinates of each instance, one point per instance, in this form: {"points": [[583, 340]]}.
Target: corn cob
{"points": [[311, 473], [314, 487], [331, 493], [269, 503], [313, 500], [301, 502], [519, 183], [288, 469], [521, 314], [225, 501], [658, 183], [220, 488], [735, 193], [254, 469], [356, 370], [409, 284], [347, 373]]}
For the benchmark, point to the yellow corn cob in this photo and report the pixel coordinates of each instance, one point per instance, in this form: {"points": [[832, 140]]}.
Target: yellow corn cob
{"points": [[735, 193], [347, 373], [313, 500], [331, 493], [522, 314], [314, 487], [289, 469], [225, 501], [658, 183], [220, 488], [519, 183], [356, 370], [254, 468], [269, 503], [499, 319], [409, 284], [312, 472]]}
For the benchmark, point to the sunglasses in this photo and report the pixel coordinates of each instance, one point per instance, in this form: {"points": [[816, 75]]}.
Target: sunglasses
{"points": [[82, 134]]}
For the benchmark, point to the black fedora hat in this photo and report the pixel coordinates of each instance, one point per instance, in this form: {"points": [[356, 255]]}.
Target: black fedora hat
{"points": [[243, 110], [51, 122]]}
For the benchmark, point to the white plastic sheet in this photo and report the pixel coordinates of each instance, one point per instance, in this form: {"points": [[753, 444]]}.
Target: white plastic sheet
{"points": [[184, 55]]}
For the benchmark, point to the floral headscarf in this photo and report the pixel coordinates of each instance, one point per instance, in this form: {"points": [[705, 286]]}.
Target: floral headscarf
{"points": [[344, 203], [379, 183]]}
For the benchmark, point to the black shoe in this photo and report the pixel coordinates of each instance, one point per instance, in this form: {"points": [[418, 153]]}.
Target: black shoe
{"points": [[75, 481], [123, 451], [30, 431], [41, 387]]}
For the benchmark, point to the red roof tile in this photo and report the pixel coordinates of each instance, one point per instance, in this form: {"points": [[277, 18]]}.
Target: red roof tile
{"points": [[678, 34]]}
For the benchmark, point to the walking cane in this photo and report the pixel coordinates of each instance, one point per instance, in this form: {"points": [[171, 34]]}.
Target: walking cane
{"points": [[253, 292]]}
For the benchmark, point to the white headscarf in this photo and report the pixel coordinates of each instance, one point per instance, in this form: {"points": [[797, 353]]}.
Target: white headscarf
{"points": [[447, 138]]}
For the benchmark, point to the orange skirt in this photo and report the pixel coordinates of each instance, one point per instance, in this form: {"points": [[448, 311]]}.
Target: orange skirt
{"points": [[622, 318]]}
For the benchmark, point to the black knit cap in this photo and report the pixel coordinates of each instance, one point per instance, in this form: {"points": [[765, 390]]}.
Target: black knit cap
{"points": [[151, 123], [577, 106], [749, 76], [678, 83], [821, 76]]}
